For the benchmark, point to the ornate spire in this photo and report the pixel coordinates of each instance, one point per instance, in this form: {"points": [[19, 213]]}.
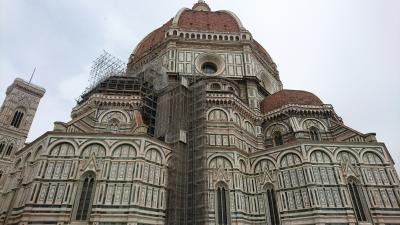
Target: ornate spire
{"points": [[201, 5]]}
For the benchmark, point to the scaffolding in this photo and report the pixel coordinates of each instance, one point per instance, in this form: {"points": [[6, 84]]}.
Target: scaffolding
{"points": [[103, 67]]}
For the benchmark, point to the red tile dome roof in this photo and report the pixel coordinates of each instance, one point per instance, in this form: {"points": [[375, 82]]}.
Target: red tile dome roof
{"points": [[189, 20], [200, 18], [286, 97]]}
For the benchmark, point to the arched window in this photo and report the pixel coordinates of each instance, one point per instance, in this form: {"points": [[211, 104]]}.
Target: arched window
{"points": [[345, 156], [357, 199], [154, 156], [242, 165], [314, 134], [278, 139], [124, 151], [18, 116], [37, 153], [87, 184], [237, 119], [27, 158], [222, 210], [217, 115], [17, 163], [249, 127], [321, 157], [63, 149], [271, 208], [220, 162], [2, 145], [97, 149], [9, 149], [372, 158]]}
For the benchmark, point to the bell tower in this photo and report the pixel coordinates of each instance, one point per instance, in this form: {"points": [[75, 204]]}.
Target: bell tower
{"points": [[16, 116]]}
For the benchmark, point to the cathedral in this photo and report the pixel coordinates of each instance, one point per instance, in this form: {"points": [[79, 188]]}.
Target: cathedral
{"points": [[198, 130]]}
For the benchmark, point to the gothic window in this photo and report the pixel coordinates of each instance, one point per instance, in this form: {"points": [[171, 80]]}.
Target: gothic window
{"points": [[124, 151], [271, 208], [222, 209], [97, 149], [87, 184], [18, 116], [154, 156], [314, 134], [217, 115], [62, 149], [357, 199], [9, 149], [2, 145], [278, 139]]}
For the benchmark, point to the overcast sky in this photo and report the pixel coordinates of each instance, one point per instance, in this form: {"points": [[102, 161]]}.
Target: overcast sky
{"points": [[347, 52]]}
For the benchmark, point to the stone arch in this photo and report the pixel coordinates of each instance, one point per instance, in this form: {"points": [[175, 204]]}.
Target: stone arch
{"points": [[52, 145], [17, 163], [249, 127], [96, 148], [242, 165], [154, 155], [220, 160], [253, 165], [341, 155], [28, 158], [320, 156], [124, 151], [290, 158], [121, 115], [38, 151], [217, 114], [159, 149], [237, 119], [264, 164], [281, 127], [63, 148], [306, 124], [371, 157], [100, 142]]}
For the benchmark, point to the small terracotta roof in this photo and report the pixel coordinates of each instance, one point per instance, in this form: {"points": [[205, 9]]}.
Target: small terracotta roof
{"points": [[286, 97]]}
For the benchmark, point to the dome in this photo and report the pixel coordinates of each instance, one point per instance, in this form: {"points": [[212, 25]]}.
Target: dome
{"points": [[286, 97], [198, 19]]}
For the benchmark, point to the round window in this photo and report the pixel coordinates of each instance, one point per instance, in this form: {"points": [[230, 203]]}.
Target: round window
{"points": [[209, 68]]}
